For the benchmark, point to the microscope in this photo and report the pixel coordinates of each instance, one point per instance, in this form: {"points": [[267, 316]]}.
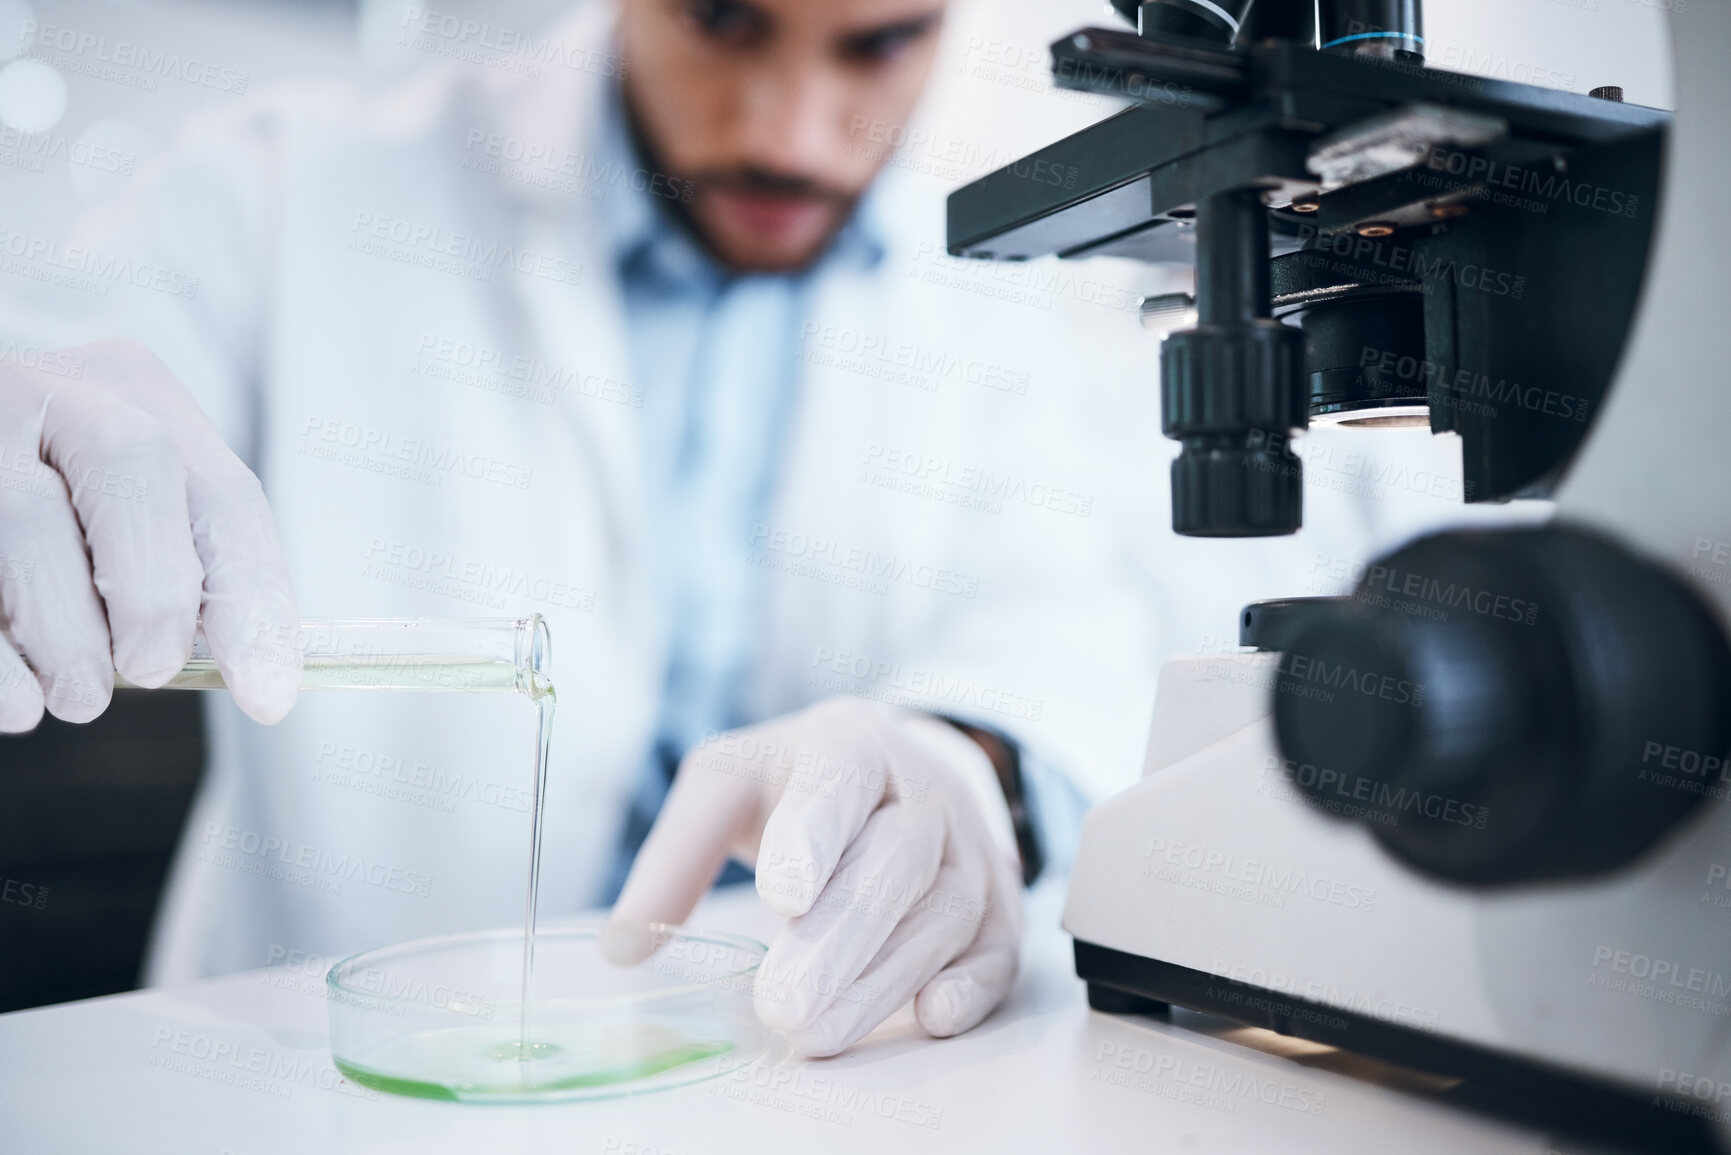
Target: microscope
{"points": [[1474, 817]]}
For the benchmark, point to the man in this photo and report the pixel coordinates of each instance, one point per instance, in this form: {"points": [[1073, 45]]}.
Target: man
{"points": [[644, 344]]}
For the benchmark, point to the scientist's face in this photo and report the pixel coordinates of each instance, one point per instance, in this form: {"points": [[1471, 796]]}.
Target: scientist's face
{"points": [[767, 108]]}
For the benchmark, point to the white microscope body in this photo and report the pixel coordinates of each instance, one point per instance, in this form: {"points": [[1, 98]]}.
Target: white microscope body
{"points": [[1215, 867]]}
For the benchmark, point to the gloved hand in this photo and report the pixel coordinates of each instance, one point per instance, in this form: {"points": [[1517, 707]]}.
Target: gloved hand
{"points": [[123, 519], [881, 833]]}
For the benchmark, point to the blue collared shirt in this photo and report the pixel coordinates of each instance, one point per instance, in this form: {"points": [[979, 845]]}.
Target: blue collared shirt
{"points": [[716, 353]]}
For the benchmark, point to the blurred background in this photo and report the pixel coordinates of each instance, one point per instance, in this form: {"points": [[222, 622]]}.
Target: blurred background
{"points": [[89, 815]]}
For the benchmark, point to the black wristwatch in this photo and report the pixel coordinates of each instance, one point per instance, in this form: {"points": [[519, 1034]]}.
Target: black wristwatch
{"points": [[1006, 759]]}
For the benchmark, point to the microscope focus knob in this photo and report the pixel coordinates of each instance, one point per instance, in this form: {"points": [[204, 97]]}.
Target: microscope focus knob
{"points": [[1232, 394], [1232, 389], [1499, 707]]}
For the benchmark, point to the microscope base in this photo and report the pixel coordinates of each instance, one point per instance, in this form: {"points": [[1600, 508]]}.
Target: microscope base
{"points": [[1213, 885]]}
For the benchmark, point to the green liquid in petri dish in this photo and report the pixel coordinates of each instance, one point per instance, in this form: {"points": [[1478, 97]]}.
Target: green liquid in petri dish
{"points": [[476, 1062]]}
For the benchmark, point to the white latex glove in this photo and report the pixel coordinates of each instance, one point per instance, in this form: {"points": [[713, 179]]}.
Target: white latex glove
{"points": [[124, 519], [881, 833]]}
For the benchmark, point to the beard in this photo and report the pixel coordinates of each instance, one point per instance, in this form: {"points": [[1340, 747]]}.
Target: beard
{"points": [[697, 190]]}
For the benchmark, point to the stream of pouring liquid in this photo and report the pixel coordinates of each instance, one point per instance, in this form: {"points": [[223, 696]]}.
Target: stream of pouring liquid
{"points": [[541, 693]]}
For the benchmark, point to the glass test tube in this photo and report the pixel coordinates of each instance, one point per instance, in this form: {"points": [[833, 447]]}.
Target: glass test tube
{"points": [[501, 655]]}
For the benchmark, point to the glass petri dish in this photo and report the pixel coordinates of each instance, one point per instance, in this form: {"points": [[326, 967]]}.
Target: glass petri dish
{"points": [[439, 1018]]}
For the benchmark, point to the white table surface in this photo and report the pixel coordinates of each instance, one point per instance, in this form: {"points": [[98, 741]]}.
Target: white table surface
{"points": [[96, 1076]]}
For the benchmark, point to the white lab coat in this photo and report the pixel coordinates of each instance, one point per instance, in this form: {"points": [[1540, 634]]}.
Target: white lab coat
{"points": [[364, 819]]}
